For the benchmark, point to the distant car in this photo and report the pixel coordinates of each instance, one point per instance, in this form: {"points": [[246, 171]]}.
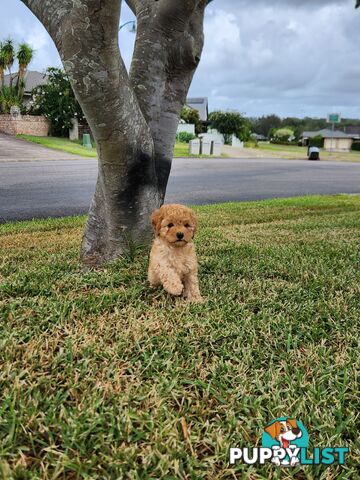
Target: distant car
{"points": [[314, 153]]}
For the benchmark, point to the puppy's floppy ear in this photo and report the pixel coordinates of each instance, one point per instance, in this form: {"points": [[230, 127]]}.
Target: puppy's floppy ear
{"points": [[292, 422], [271, 430], [194, 221], [156, 218]]}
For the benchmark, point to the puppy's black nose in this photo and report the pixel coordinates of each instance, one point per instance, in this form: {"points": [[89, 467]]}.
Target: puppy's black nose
{"points": [[180, 235], [296, 431]]}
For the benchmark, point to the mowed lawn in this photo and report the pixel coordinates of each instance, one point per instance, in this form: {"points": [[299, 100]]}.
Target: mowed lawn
{"points": [[104, 378], [66, 145], [293, 151]]}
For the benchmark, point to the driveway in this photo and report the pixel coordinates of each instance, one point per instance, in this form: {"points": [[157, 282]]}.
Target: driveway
{"points": [[15, 149], [64, 187]]}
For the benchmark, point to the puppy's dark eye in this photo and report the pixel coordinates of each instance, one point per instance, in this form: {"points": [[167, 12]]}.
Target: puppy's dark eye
{"points": [[170, 225], [187, 225]]}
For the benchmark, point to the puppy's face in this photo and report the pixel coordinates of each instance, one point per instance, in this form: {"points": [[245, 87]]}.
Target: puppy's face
{"points": [[284, 431], [174, 223]]}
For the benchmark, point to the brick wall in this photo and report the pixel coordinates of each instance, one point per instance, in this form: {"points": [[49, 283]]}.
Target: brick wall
{"points": [[25, 125]]}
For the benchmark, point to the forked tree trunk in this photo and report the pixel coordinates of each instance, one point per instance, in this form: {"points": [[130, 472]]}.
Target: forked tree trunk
{"points": [[20, 83], [133, 118]]}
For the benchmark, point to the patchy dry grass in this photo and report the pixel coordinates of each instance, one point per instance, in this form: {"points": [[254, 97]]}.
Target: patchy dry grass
{"points": [[103, 378]]}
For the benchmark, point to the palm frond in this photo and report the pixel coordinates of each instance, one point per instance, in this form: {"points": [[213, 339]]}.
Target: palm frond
{"points": [[8, 50], [24, 55]]}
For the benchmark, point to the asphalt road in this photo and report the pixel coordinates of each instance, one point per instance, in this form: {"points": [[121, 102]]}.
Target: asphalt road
{"points": [[44, 188]]}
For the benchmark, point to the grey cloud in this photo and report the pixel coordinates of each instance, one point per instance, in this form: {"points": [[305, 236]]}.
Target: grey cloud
{"points": [[294, 60], [286, 3], [289, 57]]}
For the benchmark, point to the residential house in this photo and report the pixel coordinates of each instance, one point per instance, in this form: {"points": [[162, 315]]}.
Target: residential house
{"points": [[32, 79], [353, 130], [200, 104], [333, 140], [258, 137]]}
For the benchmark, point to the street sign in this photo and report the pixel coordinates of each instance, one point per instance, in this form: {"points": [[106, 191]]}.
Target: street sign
{"points": [[334, 118]]}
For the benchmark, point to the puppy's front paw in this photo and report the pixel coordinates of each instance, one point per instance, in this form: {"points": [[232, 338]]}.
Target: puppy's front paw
{"points": [[195, 299], [174, 288]]}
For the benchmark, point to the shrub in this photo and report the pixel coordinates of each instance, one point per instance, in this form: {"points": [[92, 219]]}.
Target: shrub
{"points": [[317, 141], [57, 102], [8, 99], [185, 137], [190, 115], [231, 123], [276, 141], [282, 136], [356, 146], [251, 144]]}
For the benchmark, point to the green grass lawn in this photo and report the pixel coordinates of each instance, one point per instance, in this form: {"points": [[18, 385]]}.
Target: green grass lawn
{"points": [[66, 145], [301, 152], [104, 378], [63, 144]]}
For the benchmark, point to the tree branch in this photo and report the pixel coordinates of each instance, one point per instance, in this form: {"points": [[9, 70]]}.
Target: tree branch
{"points": [[86, 35], [167, 51], [50, 14]]}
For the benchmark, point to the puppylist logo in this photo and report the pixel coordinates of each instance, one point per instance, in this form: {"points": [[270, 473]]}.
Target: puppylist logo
{"points": [[285, 442]]}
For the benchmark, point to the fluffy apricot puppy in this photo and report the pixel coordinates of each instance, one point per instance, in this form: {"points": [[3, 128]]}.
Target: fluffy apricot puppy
{"points": [[173, 262]]}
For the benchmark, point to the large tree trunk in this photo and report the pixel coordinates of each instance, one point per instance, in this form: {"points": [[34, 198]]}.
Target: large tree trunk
{"points": [[170, 38], [133, 120]]}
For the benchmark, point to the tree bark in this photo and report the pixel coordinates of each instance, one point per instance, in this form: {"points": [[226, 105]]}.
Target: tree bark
{"points": [[170, 37], [133, 118]]}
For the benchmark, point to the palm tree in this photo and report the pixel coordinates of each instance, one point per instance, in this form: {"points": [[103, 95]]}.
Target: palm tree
{"points": [[9, 55], [3, 66], [24, 56]]}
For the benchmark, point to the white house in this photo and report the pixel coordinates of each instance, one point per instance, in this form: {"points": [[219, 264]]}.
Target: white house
{"points": [[200, 104]]}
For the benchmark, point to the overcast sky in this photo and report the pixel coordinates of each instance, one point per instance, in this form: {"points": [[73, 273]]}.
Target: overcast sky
{"points": [[293, 58]]}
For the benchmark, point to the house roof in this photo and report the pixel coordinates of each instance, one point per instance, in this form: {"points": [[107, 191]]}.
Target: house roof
{"points": [[326, 133], [32, 79], [200, 104], [258, 136], [352, 129]]}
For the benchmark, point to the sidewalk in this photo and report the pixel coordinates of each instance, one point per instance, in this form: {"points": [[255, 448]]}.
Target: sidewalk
{"points": [[14, 149], [236, 152]]}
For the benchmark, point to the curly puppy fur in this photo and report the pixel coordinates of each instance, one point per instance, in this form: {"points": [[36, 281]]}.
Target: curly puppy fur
{"points": [[173, 262]]}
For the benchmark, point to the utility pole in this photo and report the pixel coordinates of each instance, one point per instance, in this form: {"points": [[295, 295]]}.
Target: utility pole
{"points": [[332, 137], [333, 118]]}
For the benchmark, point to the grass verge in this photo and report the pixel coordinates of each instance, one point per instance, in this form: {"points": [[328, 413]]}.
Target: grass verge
{"points": [[63, 144], [103, 378], [66, 145], [293, 151]]}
